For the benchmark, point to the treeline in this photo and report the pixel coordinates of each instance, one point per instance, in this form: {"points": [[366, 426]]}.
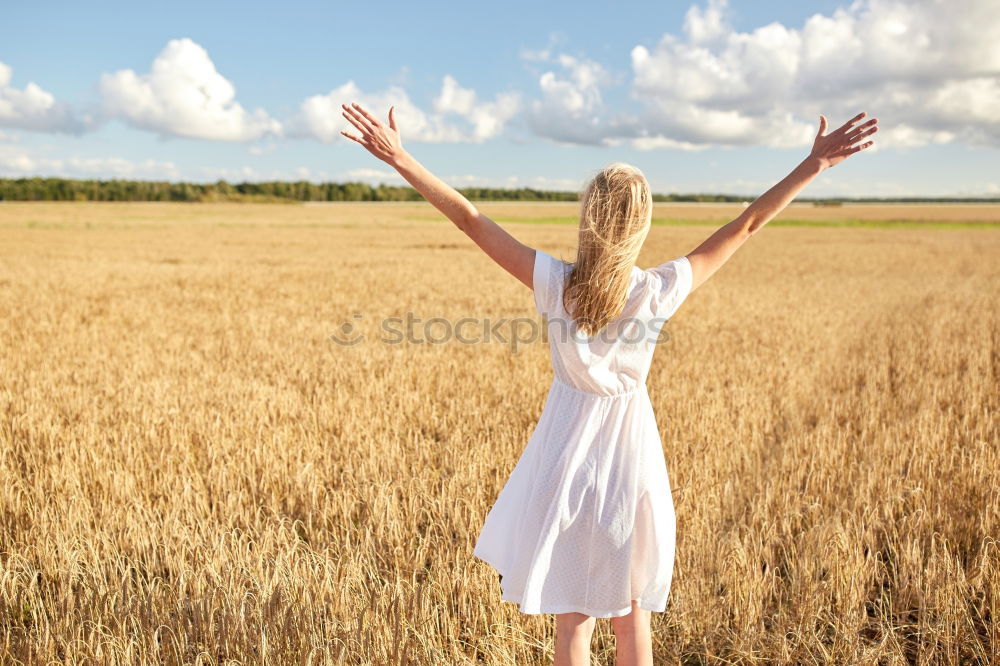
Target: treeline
{"points": [[63, 189]]}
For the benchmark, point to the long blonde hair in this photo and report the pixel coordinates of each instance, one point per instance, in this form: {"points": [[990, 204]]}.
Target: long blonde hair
{"points": [[616, 208]]}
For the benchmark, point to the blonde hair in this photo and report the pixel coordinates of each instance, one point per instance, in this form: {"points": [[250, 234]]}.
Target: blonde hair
{"points": [[616, 208]]}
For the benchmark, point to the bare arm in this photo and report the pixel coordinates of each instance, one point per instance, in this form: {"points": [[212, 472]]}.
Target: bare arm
{"points": [[384, 143], [828, 150]]}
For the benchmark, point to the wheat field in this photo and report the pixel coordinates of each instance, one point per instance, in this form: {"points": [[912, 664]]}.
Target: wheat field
{"points": [[194, 470]]}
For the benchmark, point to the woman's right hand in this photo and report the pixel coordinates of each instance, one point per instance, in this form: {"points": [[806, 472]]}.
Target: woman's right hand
{"points": [[838, 145], [381, 141]]}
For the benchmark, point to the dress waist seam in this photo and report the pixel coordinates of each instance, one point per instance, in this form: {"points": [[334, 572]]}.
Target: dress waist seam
{"points": [[604, 396]]}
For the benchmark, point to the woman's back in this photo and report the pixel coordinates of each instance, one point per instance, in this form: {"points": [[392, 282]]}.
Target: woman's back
{"points": [[616, 359]]}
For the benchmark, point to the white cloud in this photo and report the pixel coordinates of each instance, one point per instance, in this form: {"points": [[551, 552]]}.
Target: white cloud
{"points": [[659, 142], [928, 71], [249, 174], [320, 116], [487, 118], [232, 175], [980, 190], [183, 95], [262, 149], [388, 176], [907, 136], [33, 108], [369, 175], [17, 162], [514, 182], [571, 109], [705, 25]]}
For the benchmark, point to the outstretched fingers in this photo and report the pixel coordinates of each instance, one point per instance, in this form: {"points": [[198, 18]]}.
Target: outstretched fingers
{"points": [[854, 149], [351, 136], [374, 135], [359, 119], [862, 131], [363, 128], [850, 123], [367, 115]]}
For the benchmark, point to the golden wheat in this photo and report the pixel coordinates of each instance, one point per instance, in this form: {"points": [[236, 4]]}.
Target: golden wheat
{"points": [[194, 472]]}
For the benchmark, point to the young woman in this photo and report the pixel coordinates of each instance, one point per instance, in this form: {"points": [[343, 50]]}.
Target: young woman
{"points": [[584, 527]]}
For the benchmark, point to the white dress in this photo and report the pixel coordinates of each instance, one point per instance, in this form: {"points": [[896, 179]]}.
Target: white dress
{"points": [[585, 522]]}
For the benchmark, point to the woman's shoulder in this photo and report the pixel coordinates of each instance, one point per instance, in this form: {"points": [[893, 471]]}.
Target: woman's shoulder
{"points": [[550, 264], [548, 281], [667, 285]]}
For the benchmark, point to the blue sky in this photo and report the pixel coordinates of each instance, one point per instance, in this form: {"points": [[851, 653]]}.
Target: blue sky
{"points": [[709, 96]]}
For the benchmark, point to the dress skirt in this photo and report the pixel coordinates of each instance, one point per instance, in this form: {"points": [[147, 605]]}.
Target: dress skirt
{"points": [[585, 523]]}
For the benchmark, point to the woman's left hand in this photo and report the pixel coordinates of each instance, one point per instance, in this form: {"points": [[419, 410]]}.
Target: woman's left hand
{"points": [[381, 141], [841, 143]]}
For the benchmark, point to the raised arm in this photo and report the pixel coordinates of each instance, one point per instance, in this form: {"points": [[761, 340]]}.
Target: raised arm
{"points": [[384, 143], [828, 150]]}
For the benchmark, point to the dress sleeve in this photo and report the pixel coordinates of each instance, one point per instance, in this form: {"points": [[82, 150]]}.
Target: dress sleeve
{"points": [[541, 282], [670, 285]]}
